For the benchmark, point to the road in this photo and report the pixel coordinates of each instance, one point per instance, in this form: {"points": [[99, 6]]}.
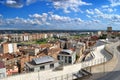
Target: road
{"points": [[115, 74]]}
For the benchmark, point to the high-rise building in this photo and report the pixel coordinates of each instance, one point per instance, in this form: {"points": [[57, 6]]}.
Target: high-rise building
{"points": [[109, 29]]}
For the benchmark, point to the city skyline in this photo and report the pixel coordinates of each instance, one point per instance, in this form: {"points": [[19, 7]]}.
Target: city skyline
{"points": [[59, 14]]}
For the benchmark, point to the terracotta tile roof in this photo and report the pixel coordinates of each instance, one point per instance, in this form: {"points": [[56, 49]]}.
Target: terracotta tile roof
{"points": [[9, 56]]}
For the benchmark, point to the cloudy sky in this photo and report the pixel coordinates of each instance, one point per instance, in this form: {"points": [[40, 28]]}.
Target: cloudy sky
{"points": [[60, 14]]}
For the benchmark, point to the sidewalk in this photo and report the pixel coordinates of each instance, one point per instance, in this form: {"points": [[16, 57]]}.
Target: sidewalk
{"points": [[102, 69]]}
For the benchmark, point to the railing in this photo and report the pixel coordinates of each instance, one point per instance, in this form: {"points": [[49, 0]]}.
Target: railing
{"points": [[83, 65], [63, 77]]}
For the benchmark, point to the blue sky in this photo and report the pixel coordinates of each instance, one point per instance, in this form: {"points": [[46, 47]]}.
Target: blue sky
{"points": [[60, 14]]}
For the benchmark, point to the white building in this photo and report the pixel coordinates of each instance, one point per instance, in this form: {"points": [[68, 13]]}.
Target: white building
{"points": [[45, 36], [26, 38], [67, 56], [42, 63], [99, 33]]}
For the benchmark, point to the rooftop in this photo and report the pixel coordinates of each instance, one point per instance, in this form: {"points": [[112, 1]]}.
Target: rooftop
{"points": [[36, 62], [44, 59], [67, 51]]}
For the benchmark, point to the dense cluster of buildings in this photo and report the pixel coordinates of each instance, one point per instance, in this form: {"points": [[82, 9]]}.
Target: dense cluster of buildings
{"points": [[29, 36], [15, 59]]}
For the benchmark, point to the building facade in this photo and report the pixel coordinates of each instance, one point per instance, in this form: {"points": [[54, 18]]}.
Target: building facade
{"points": [[67, 56], [9, 47], [42, 63]]}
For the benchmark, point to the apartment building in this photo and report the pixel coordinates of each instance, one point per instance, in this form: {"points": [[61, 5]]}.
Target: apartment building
{"points": [[9, 47]]}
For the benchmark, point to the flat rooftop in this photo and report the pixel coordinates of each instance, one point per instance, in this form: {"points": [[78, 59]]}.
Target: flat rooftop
{"points": [[36, 62], [44, 59]]}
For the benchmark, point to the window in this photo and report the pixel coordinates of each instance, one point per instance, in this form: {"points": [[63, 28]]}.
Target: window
{"points": [[58, 57], [31, 69], [62, 57], [65, 59], [70, 60], [42, 67], [51, 65]]}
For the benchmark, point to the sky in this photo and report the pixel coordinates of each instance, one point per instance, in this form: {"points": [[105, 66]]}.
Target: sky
{"points": [[59, 14]]}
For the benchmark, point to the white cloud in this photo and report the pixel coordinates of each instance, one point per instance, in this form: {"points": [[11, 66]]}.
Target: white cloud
{"points": [[89, 11], [17, 3], [114, 3], [69, 5], [13, 3], [105, 6], [45, 19], [97, 11], [59, 18], [54, 21], [88, 16], [109, 10], [37, 22], [28, 2], [35, 15], [64, 19], [78, 19], [96, 21], [42, 17], [104, 17]]}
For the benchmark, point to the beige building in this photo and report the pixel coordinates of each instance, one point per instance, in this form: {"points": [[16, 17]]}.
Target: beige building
{"points": [[9, 47]]}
